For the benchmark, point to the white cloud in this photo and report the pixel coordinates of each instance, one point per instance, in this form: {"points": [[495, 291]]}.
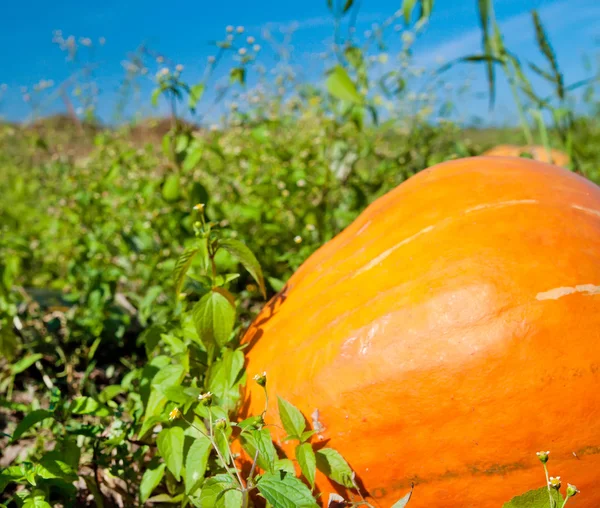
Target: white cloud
{"points": [[317, 22]]}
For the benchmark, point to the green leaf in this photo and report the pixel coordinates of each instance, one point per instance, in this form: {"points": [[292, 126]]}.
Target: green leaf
{"points": [[214, 317], [341, 86], [168, 376], [29, 421], [51, 465], [195, 463], [170, 445], [407, 9], [485, 15], [170, 190], [334, 466], [196, 93], [535, 499], [291, 418], [88, 406], [24, 363], [155, 95], [193, 156], [150, 480], [237, 74], [260, 440], [183, 265], [308, 462], [225, 377], [401, 503], [9, 475], [181, 143], [36, 500], [285, 465], [276, 284], [284, 490], [245, 256], [219, 491], [347, 6]]}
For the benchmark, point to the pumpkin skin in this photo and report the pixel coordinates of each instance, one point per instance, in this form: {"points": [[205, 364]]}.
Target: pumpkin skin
{"points": [[447, 335], [538, 153]]}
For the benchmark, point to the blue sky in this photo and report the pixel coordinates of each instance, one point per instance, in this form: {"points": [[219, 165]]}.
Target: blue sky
{"points": [[183, 31]]}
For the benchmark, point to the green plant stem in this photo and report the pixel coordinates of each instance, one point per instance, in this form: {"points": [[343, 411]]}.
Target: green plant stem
{"points": [[548, 486], [515, 94]]}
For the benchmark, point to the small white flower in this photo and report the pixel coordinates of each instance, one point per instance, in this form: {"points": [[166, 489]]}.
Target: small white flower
{"points": [[242, 51], [301, 183], [229, 29], [256, 48], [298, 239], [179, 67], [102, 41], [240, 29], [250, 39], [211, 59]]}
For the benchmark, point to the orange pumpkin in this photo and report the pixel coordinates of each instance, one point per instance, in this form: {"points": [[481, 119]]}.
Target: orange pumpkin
{"points": [[447, 335], [538, 153]]}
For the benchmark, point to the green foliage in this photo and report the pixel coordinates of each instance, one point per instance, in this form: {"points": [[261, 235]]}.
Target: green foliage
{"points": [[129, 263]]}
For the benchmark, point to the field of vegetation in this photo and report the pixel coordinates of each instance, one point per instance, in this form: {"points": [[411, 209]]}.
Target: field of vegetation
{"points": [[133, 257]]}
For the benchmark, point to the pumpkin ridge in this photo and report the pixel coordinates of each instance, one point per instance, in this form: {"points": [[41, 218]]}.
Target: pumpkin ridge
{"points": [[440, 224]]}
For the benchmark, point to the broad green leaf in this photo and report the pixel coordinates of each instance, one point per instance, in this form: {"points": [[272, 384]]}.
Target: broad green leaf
{"points": [[196, 93], [291, 418], [195, 463], [214, 317], [168, 376], [150, 480], [181, 143], [88, 406], [192, 157], [171, 190], [285, 465], [245, 256], [334, 466], [69, 452], [308, 462], [284, 490], [36, 500], [9, 475], [535, 499], [219, 491], [407, 9], [29, 421], [182, 266], [150, 337], [24, 363], [51, 465], [260, 440], [170, 445], [341, 86], [166, 498], [401, 503], [225, 376]]}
